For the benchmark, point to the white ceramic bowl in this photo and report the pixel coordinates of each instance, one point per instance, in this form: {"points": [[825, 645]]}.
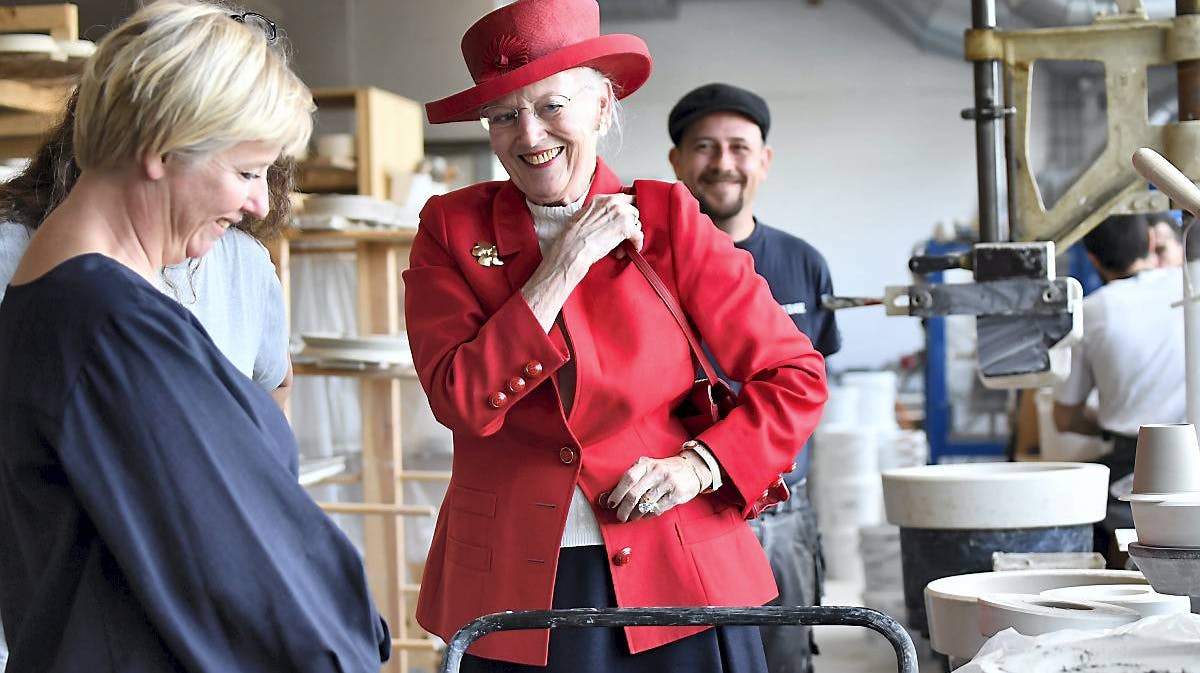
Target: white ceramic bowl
{"points": [[1167, 519], [951, 602], [996, 495]]}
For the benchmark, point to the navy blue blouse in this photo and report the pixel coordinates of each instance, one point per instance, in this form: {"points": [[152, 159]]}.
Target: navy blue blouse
{"points": [[150, 516]]}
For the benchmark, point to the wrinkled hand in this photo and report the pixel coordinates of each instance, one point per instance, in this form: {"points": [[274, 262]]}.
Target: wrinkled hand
{"points": [[598, 229], [666, 482]]}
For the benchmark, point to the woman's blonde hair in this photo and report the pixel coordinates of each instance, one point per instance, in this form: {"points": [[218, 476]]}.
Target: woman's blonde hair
{"points": [[183, 77]]}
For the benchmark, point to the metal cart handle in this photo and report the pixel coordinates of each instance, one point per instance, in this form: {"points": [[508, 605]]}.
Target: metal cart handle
{"points": [[906, 653]]}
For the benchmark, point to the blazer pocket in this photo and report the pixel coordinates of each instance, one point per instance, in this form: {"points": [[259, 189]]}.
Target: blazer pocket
{"points": [[468, 555], [710, 527], [473, 501]]}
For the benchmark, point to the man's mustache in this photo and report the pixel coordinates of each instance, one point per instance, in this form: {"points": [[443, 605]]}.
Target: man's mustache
{"points": [[723, 177]]}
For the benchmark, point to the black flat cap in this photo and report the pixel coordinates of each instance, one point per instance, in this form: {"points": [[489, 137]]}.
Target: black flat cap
{"points": [[717, 98]]}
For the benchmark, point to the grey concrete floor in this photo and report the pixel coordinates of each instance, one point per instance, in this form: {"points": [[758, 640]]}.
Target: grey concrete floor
{"points": [[850, 649]]}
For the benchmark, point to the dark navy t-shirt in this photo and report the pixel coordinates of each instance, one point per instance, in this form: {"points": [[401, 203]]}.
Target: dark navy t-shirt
{"points": [[798, 276]]}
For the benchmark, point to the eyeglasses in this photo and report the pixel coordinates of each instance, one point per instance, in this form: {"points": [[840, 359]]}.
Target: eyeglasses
{"points": [[258, 21], [547, 109]]}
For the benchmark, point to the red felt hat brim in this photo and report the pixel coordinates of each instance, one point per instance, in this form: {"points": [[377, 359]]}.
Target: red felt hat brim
{"points": [[625, 59]]}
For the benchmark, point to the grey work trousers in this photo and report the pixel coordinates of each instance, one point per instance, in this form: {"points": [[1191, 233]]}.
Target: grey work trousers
{"points": [[789, 536]]}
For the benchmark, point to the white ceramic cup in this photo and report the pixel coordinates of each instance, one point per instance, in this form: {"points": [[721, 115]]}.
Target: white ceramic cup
{"points": [[1167, 459], [335, 145]]}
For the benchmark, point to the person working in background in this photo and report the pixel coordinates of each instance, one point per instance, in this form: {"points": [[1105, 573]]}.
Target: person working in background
{"points": [[719, 134], [1167, 242], [1131, 352]]}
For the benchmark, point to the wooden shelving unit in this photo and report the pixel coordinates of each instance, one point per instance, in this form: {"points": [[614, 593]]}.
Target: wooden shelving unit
{"points": [[388, 131], [384, 126], [34, 88]]}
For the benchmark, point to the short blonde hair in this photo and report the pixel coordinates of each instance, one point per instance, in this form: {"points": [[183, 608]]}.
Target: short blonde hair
{"points": [[182, 77]]}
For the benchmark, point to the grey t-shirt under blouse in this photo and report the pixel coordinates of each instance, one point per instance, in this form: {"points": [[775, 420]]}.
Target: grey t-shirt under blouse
{"points": [[233, 291]]}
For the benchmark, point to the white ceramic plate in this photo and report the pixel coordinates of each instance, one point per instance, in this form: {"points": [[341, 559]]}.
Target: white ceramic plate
{"points": [[78, 49], [359, 208], [366, 342], [1183, 497], [384, 349], [313, 470], [28, 43]]}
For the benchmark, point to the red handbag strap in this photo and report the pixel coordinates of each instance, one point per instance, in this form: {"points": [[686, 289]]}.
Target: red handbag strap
{"points": [[672, 306]]}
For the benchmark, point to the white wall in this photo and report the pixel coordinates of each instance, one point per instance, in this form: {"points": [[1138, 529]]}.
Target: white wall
{"points": [[412, 47], [870, 150]]}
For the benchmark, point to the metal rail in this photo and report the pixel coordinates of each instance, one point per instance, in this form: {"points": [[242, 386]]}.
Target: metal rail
{"points": [[906, 654]]}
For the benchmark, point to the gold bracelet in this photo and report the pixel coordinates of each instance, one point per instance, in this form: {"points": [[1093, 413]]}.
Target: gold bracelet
{"points": [[690, 445]]}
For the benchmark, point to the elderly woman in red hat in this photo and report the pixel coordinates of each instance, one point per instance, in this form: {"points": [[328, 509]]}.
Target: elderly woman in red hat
{"points": [[558, 366]]}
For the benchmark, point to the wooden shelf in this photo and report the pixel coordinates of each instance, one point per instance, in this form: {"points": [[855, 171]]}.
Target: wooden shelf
{"points": [[415, 644], [35, 87], [37, 67], [33, 97], [377, 509], [388, 134], [60, 20], [325, 179], [393, 236], [389, 140]]}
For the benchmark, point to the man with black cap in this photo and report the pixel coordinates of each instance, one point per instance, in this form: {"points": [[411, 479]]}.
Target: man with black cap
{"points": [[719, 133]]}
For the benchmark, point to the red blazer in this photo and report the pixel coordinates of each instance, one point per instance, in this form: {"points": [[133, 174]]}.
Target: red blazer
{"points": [[515, 467]]}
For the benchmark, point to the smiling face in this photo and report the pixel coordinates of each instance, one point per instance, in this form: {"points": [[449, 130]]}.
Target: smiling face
{"points": [[214, 192], [551, 159], [722, 159]]}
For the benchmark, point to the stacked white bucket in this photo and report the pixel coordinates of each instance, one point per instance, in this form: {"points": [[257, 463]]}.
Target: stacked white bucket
{"points": [[857, 438]]}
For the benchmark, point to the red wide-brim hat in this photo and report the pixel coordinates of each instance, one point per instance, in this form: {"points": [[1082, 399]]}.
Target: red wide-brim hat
{"points": [[530, 40]]}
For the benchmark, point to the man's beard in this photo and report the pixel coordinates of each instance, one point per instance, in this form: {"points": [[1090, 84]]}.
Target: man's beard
{"points": [[715, 211], [721, 213]]}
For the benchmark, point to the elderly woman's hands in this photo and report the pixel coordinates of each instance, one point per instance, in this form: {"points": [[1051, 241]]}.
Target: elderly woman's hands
{"points": [[658, 484], [595, 231]]}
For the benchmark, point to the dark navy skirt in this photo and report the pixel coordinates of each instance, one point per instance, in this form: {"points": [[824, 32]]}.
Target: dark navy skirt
{"points": [[583, 580]]}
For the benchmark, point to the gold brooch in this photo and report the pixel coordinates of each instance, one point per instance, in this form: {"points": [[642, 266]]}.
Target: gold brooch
{"points": [[486, 254]]}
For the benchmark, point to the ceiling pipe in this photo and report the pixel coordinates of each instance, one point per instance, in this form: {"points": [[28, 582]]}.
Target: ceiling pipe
{"points": [[937, 26]]}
